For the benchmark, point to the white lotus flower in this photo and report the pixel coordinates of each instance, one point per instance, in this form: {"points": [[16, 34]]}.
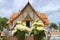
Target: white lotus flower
{"points": [[23, 24], [40, 24], [31, 29], [28, 29], [13, 31], [33, 24], [45, 30], [20, 27], [40, 28], [18, 22]]}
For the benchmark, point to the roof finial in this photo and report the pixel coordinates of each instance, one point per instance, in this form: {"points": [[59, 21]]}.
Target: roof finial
{"points": [[28, 0]]}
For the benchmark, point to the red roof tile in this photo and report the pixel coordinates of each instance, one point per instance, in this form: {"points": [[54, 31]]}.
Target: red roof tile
{"points": [[9, 22], [14, 15], [43, 17]]}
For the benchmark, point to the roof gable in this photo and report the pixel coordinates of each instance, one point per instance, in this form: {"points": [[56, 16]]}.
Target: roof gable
{"points": [[28, 4], [28, 18], [42, 16], [24, 9]]}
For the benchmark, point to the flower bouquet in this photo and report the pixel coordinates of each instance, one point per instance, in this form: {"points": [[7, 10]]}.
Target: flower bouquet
{"points": [[38, 30], [20, 30]]}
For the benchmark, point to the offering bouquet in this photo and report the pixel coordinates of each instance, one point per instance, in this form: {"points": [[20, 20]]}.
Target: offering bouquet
{"points": [[20, 30], [38, 30]]}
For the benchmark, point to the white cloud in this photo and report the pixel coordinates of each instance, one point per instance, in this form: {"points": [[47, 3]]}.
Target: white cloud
{"points": [[49, 7], [7, 7], [52, 9], [5, 13], [54, 17], [19, 4]]}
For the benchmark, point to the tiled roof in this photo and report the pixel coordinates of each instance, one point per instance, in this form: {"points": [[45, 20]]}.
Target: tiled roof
{"points": [[44, 18], [41, 15], [9, 22], [55, 33], [14, 15]]}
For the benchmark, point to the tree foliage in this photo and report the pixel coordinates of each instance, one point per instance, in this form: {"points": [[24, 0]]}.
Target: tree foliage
{"points": [[59, 26], [3, 23], [53, 25]]}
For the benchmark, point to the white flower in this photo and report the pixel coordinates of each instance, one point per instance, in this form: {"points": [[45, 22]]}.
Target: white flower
{"points": [[23, 24], [21, 27], [31, 29], [40, 24], [28, 29], [40, 28], [13, 31], [34, 24], [18, 22], [40, 21], [45, 30]]}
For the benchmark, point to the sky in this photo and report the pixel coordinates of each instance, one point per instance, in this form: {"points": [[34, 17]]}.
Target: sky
{"points": [[50, 7]]}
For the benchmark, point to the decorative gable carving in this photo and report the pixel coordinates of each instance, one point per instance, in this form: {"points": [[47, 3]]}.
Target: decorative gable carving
{"points": [[28, 18]]}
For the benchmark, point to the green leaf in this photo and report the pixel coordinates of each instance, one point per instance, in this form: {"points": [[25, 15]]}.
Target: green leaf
{"points": [[53, 25], [3, 23], [35, 32], [1, 38]]}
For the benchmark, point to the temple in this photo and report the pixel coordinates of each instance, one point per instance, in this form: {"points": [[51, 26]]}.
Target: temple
{"points": [[27, 15]]}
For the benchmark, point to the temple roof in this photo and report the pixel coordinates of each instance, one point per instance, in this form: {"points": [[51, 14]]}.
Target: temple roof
{"points": [[42, 16]]}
